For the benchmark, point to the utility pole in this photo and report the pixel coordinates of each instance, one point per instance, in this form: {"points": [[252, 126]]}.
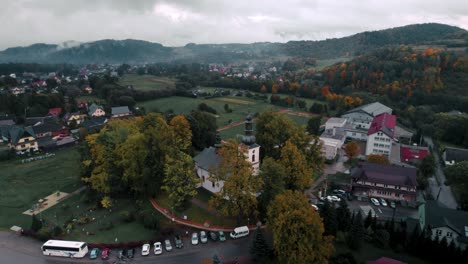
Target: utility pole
{"points": [[440, 189]]}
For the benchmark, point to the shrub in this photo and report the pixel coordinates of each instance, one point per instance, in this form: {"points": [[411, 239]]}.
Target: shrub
{"points": [[204, 107], [150, 221], [127, 216], [44, 234], [57, 231]]}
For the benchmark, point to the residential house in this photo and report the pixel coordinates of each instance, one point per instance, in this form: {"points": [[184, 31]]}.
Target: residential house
{"points": [[82, 104], [332, 141], [75, 117], [413, 153], [380, 135], [87, 89], [17, 90], [335, 122], [208, 160], [96, 110], [50, 129], [55, 112], [444, 222], [94, 124], [360, 119], [121, 111], [22, 139], [452, 156], [384, 181]]}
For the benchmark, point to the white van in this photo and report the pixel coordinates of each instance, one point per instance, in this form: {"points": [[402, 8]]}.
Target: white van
{"points": [[240, 232]]}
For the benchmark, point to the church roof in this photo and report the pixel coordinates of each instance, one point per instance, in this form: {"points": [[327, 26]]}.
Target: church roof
{"points": [[207, 159]]}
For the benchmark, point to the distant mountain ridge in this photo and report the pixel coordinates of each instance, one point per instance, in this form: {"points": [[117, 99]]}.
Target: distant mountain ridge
{"points": [[139, 51]]}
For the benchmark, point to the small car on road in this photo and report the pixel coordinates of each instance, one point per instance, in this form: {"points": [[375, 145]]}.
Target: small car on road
{"points": [[375, 201], [383, 202], [105, 254], [222, 237], [213, 236], [94, 253], [393, 204], [130, 253], [167, 245], [178, 241], [203, 237], [195, 238], [145, 249]]}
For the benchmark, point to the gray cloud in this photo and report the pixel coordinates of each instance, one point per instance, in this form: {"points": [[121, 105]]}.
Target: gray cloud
{"points": [[178, 22]]}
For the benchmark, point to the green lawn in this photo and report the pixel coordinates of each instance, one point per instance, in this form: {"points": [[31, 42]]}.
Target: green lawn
{"points": [[21, 185], [147, 82], [370, 252], [94, 231]]}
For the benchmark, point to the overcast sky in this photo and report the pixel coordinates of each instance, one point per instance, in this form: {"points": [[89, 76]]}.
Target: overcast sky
{"points": [[178, 22]]}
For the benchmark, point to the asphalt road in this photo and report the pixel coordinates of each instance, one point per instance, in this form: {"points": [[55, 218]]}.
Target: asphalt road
{"points": [[16, 249], [440, 191], [385, 212]]}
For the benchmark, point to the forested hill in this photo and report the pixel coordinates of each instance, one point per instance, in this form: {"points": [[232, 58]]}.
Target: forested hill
{"points": [[138, 51]]}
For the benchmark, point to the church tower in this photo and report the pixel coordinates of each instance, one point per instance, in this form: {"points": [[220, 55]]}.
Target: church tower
{"points": [[253, 148]]}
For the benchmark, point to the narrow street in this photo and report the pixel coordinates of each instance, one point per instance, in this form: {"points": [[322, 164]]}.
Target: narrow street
{"points": [[437, 185]]}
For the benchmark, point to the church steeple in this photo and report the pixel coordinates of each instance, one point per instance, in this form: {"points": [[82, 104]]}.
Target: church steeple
{"points": [[248, 138]]}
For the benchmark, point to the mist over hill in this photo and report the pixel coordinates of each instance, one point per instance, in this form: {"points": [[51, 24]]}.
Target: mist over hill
{"points": [[139, 51]]}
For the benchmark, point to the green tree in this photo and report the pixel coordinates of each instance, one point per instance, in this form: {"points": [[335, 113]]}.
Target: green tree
{"points": [[343, 215], [376, 158], [457, 177], [313, 125], [180, 180], [356, 233], [182, 132], [427, 166], [329, 216], [238, 195], [36, 224], [259, 250], [351, 150], [299, 173], [297, 230], [273, 176]]}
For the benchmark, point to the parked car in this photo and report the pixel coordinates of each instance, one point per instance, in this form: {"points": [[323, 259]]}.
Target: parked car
{"points": [[383, 202], [195, 238], [145, 249], [315, 207], [375, 201], [167, 245], [393, 204], [130, 253], [157, 248], [105, 254], [333, 198], [213, 236], [338, 191], [222, 238], [178, 241], [94, 253], [203, 237], [121, 254]]}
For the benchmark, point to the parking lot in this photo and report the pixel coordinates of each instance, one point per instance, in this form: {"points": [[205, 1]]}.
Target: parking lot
{"points": [[384, 212]]}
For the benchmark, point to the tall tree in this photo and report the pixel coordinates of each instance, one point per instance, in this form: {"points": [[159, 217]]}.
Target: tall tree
{"points": [[238, 195], [182, 132], [329, 216], [427, 166], [259, 249], [376, 158], [297, 230], [313, 125], [343, 215], [357, 232], [180, 180], [457, 175], [36, 224], [273, 176], [299, 173]]}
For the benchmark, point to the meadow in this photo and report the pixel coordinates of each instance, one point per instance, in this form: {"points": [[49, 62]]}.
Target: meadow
{"points": [[147, 82]]}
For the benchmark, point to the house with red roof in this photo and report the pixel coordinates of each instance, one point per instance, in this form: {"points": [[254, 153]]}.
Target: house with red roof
{"points": [[381, 135], [411, 154], [54, 112]]}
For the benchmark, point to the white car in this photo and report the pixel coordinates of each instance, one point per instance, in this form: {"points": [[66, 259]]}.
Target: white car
{"points": [[168, 245], [383, 202], [194, 238], [315, 207], [203, 237], [157, 248], [145, 249], [375, 201], [333, 198]]}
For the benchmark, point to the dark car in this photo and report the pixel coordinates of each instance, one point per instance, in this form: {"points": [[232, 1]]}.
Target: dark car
{"points": [[213, 236], [94, 253], [122, 254], [105, 254], [178, 242], [130, 253]]}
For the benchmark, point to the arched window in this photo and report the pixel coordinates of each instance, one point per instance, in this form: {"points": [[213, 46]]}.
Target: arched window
{"points": [[253, 158]]}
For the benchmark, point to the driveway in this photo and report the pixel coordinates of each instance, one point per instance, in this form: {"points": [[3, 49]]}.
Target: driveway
{"points": [[22, 250], [437, 185], [383, 212]]}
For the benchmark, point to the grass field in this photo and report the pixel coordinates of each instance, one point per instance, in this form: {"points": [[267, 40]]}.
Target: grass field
{"points": [[21, 185], [90, 98], [147, 82]]}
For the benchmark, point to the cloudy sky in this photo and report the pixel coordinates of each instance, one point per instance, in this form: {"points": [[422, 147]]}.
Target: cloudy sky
{"points": [[178, 22]]}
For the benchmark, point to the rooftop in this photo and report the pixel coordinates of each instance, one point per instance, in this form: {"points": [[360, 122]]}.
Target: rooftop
{"points": [[373, 109], [120, 110], [207, 159], [456, 154], [409, 153], [384, 123], [385, 174]]}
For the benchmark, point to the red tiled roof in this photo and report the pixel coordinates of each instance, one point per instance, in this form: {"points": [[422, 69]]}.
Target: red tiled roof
{"points": [[408, 153], [55, 111], [383, 123], [385, 260]]}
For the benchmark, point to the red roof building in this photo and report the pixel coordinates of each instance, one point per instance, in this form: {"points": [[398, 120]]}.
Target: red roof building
{"points": [[383, 123], [55, 111], [413, 153]]}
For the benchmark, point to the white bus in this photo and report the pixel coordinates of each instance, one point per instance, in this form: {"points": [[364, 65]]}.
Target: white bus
{"points": [[62, 248]]}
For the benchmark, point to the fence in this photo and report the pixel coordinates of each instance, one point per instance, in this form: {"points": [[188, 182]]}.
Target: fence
{"points": [[47, 155]]}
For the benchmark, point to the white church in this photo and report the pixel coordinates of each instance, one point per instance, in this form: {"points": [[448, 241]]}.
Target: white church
{"points": [[209, 159]]}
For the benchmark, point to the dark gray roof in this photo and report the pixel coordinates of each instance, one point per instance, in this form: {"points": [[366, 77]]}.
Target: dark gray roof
{"points": [[385, 174], [94, 122], [372, 109], [16, 133], [92, 108], [31, 121], [207, 159], [7, 122], [47, 127], [120, 110], [456, 154], [437, 215]]}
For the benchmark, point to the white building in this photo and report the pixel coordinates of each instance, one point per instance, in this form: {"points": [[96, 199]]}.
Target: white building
{"points": [[381, 134], [208, 160], [360, 119], [333, 137]]}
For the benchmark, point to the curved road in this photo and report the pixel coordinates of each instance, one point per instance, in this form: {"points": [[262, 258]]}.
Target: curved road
{"points": [[17, 249]]}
